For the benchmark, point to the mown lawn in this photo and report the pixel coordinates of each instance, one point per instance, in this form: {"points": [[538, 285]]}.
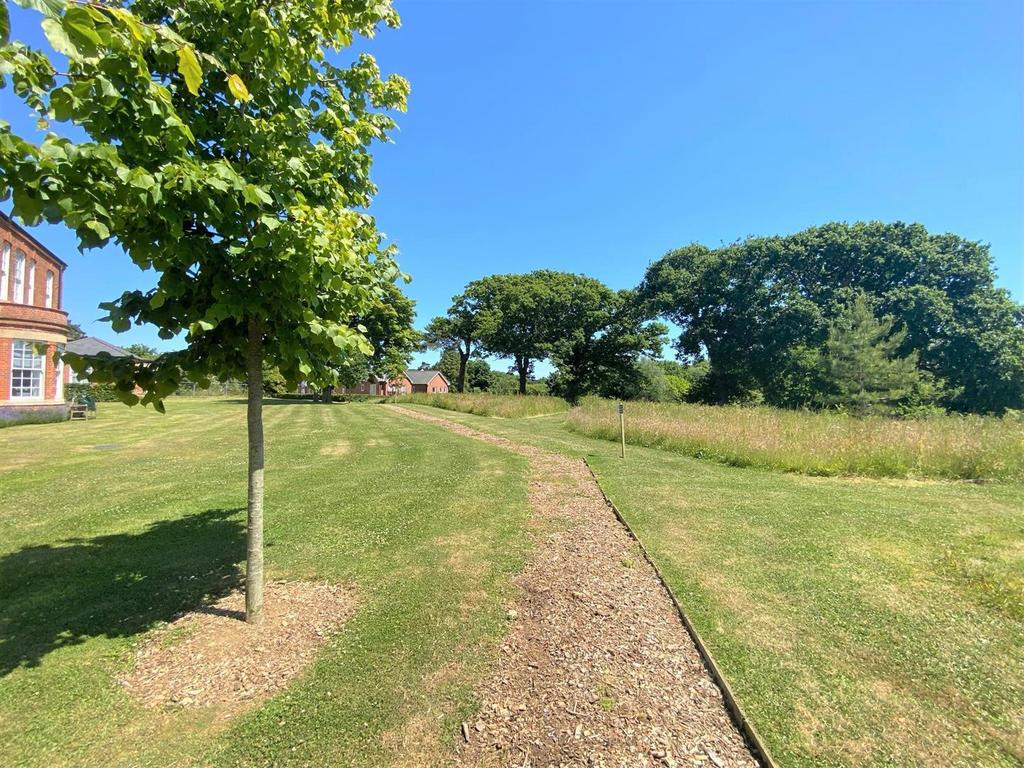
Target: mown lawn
{"points": [[110, 527], [861, 622]]}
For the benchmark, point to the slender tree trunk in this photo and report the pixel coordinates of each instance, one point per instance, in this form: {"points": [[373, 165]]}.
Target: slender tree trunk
{"points": [[254, 524], [463, 362], [327, 396]]}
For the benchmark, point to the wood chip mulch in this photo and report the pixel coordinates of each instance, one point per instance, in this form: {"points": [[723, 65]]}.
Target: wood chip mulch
{"points": [[210, 657], [597, 669]]}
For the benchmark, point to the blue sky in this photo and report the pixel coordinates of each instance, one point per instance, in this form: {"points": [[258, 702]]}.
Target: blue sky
{"points": [[594, 136]]}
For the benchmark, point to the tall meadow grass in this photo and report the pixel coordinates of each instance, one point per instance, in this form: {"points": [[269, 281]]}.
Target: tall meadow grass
{"points": [[951, 447], [483, 404]]}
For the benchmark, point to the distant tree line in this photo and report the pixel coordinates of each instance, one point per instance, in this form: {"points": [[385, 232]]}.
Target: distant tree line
{"points": [[593, 335], [871, 318]]}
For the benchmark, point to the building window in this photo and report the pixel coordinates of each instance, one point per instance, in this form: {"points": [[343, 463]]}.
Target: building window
{"points": [[26, 370], [49, 289], [5, 267], [19, 276], [30, 289]]}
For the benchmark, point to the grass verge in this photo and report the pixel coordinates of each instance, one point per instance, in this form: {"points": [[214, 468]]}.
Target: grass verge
{"points": [[861, 622], [952, 447], [111, 527], [483, 404]]}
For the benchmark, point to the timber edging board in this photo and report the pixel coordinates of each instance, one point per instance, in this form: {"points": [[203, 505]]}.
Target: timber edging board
{"points": [[732, 704]]}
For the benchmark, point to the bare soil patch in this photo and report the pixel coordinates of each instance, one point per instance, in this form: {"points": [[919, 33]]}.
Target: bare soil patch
{"points": [[597, 669], [210, 657]]}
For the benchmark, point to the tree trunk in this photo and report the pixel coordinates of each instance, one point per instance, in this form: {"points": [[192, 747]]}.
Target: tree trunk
{"points": [[327, 396], [524, 367], [254, 522], [463, 362]]}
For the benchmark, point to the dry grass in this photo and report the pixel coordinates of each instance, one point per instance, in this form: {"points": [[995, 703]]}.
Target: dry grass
{"points": [[952, 447], [483, 404]]}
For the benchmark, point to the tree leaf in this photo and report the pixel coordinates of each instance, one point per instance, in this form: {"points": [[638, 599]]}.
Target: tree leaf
{"points": [[99, 228], [49, 8], [238, 89], [58, 38], [188, 66], [78, 25], [5, 25]]}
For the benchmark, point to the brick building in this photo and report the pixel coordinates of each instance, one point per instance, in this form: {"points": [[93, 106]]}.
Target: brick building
{"points": [[33, 327], [410, 381]]}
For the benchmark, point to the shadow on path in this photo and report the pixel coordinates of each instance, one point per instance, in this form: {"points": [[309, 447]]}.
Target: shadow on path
{"points": [[114, 586]]}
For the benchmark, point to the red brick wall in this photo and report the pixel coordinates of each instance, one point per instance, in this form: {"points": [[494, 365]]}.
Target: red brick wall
{"points": [[17, 240]]}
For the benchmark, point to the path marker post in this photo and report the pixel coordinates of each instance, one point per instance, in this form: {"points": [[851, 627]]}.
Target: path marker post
{"points": [[622, 431]]}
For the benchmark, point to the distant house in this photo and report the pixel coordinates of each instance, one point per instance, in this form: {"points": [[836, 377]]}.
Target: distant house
{"points": [[90, 345], [408, 382], [427, 381], [33, 327], [375, 385]]}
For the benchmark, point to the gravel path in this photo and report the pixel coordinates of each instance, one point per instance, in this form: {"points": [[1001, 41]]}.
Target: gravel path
{"points": [[597, 668]]}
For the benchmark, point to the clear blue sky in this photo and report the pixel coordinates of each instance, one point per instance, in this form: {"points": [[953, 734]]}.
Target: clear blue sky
{"points": [[594, 136]]}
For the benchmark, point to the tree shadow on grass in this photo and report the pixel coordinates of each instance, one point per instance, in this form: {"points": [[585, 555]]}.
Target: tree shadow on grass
{"points": [[114, 586]]}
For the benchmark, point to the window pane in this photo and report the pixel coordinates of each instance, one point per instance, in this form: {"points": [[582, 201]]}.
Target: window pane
{"points": [[26, 370], [19, 276], [5, 266]]}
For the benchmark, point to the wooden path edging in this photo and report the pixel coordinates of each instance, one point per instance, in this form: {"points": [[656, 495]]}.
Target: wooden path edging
{"points": [[739, 717]]}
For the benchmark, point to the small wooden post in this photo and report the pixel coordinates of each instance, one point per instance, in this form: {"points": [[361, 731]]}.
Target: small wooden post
{"points": [[622, 430]]}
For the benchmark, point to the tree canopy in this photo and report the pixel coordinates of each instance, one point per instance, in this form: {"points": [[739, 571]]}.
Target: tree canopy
{"points": [[459, 330], [760, 310], [229, 153], [592, 334], [517, 316], [387, 325], [600, 338]]}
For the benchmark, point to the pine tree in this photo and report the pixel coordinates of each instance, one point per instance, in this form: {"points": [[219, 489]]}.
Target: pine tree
{"points": [[862, 369]]}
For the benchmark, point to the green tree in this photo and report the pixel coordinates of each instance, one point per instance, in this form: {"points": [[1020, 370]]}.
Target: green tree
{"points": [[448, 364], [387, 325], [459, 330], [75, 332], [861, 364], [517, 316], [759, 310], [227, 152], [597, 337], [477, 372], [142, 350]]}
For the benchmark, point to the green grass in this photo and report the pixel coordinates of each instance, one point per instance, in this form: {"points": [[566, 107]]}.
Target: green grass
{"points": [[860, 621], [110, 527], [483, 404], [951, 447]]}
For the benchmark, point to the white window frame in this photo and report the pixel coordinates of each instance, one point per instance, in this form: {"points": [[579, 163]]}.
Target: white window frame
{"points": [[5, 270], [49, 288], [30, 284], [36, 370], [19, 276]]}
